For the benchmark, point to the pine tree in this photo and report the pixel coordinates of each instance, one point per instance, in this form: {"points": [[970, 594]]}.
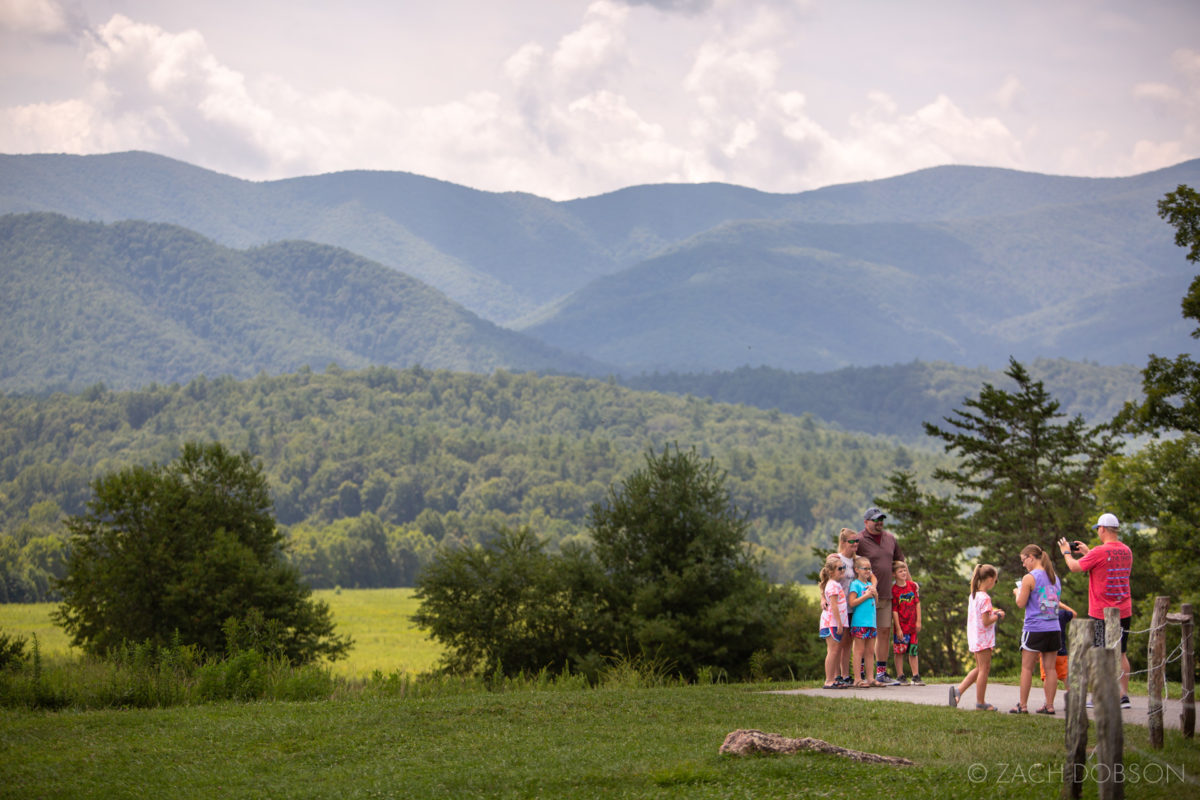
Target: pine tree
{"points": [[1025, 475]]}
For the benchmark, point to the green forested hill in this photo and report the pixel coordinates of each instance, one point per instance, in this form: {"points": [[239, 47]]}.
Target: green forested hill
{"points": [[955, 263], [1095, 280], [132, 303], [372, 469], [895, 400]]}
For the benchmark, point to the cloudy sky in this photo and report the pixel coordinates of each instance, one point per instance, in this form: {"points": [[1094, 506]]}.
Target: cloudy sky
{"points": [[569, 98]]}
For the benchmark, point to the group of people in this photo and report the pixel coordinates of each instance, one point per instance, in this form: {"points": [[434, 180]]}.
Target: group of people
{"points": [[867, 594], [870, 603]]}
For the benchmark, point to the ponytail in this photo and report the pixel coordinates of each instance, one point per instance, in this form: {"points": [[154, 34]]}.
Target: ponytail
{"points": [[1043, 557], [982, 573], [832, 562]]}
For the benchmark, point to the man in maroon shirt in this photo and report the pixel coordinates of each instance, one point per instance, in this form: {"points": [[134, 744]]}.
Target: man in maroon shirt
{"points": [[881, 548]]}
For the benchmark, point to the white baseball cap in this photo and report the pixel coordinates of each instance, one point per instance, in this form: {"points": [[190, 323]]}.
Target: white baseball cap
{"points": [[1107, 521]]}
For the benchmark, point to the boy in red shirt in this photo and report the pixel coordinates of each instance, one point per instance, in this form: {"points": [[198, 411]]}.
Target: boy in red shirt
{"points": [[906, 622]]}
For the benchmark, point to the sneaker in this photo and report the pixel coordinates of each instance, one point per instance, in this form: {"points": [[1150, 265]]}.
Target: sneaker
{"points": [[1125, 701], [903, 681], [916, 681], [886, 680]]}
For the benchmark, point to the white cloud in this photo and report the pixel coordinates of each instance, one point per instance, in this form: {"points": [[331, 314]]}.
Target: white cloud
{"points": [[1009, 93], [38, 17], [755, 92]]}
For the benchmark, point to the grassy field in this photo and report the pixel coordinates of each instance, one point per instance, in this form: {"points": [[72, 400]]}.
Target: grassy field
{"points": [[541, 741], [378, 620], [578, 743]]}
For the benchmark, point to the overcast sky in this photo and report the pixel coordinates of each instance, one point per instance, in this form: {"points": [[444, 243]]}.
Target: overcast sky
{"points": [[569, 98]]}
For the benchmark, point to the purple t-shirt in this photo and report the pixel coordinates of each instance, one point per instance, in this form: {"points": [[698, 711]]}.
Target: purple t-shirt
{"points": [[1041, 609]]}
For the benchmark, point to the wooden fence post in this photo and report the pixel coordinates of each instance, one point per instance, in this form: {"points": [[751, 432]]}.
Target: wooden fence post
{"points": [[1187, 717], [1106, 700], [1082, 633], [1156, 654]]}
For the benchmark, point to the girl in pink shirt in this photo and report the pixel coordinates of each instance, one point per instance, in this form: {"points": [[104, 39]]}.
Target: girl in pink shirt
{"points": [[833, 617], [981, 635]]}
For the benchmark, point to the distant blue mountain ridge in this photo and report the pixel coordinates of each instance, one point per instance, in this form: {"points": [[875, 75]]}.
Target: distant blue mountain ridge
{"points": [[965, 265]]}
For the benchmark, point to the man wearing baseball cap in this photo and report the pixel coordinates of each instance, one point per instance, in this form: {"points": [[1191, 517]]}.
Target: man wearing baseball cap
{"points": [[881, 548], [1108, 566]]}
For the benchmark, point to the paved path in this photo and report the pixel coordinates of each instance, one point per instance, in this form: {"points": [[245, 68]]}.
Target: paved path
{"points": [[1002, 696]]}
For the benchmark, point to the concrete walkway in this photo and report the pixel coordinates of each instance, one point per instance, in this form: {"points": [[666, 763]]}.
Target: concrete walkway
{"points": [[1002, 696]]}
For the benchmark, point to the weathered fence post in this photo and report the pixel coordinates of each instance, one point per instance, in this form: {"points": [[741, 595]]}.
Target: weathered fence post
{"points": [[1104, 669], [1081, 636], [1106, 700], [1187, 717], [1156, 654]]}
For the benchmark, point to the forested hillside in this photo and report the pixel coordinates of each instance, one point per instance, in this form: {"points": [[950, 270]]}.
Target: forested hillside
{"points": [[895, 400], [962, 264], [132, 303], [373, 469]]}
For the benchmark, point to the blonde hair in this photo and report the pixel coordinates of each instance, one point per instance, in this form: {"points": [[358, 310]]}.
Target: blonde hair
{"points": [[845, 534], [832, 562], [898, 564], [982, 573], [1044, 557], [861, 561]]}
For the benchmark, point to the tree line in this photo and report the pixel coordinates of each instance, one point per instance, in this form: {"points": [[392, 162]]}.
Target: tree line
{"points": [[371, 470]]}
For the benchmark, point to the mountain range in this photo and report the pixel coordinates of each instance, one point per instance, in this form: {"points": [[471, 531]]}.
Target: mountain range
{"points": [[966, 265]]}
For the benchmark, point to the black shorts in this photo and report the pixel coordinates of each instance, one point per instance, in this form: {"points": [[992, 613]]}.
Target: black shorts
{"points": [[1041, 641], [1098, 632]]}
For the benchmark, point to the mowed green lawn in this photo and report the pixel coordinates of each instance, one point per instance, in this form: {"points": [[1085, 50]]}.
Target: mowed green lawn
{"points": [[378, 620], [577, 743]]}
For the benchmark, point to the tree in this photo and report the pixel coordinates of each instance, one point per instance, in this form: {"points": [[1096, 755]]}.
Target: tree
{"points": [[1172, 386], [1158, 487], [1027, 477], [509, 607], [669, 579], [189, 549], [933, 535], [685, 586]]}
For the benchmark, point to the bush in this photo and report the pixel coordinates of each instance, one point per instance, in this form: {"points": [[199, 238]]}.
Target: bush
{"points": [[12, 651]]}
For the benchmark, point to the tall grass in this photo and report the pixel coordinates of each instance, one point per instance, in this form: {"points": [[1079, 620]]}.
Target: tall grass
{"points": [[379, 621]]}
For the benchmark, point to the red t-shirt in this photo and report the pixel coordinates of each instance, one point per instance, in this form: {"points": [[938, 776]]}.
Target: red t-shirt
{"points": [[904, 602], [1107, 566]]}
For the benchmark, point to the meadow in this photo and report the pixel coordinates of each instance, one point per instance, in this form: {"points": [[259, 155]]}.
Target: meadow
{"points": [[378, 620]]}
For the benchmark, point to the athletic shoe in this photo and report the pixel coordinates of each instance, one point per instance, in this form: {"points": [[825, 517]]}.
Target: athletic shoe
{"points": [[916, 681], [1125, 701], [886, 680], [903, 681]]}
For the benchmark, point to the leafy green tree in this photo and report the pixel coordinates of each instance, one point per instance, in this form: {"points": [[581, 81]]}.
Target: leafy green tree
{"points": [[1027, 477], [1159, 486], [685, 586], [185, 549], [509, 607], [1172, 386], [933, 535]]}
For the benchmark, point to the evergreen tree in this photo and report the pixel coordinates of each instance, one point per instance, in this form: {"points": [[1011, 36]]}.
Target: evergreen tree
{"points": [[686, 588], [1026, 476], [932, 533]]}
